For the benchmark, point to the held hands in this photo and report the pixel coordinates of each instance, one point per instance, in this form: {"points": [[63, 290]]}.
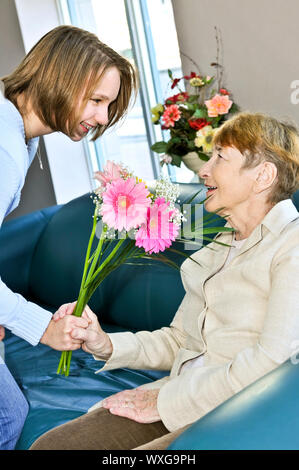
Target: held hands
{"points": [[92, 338], [58, 334]]}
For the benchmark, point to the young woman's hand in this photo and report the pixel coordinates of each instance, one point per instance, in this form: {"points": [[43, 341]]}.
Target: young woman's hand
{"points": [[94, 340], [58, 333], [65, 309]]}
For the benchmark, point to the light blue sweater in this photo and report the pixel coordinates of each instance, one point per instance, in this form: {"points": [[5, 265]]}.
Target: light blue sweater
{"points": [[23, 318]]}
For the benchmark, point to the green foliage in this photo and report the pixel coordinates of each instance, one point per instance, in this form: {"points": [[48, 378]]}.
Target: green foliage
{"points": [[159, 147], [200, 113]]}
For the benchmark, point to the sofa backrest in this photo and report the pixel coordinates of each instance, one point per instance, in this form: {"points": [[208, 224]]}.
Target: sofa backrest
{"points": [[18, 239]]}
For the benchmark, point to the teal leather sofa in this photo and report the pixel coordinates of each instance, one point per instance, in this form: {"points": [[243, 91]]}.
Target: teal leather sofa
{"points": [[42, 257]]}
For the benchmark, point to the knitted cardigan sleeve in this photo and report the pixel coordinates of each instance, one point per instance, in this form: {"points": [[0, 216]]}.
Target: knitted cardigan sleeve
{"points": [[23, 318]]}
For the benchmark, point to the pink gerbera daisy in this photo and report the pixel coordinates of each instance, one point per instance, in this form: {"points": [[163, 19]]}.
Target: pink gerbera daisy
{"points": [[111, 172], [158, 232], [125, 204], [171, 115]]}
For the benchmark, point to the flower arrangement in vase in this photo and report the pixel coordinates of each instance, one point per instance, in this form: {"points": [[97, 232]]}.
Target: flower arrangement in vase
{"points": [[191, 117]]}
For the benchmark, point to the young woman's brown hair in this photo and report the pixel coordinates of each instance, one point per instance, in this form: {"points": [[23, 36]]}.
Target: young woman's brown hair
{"points": [[260, 137], [61, 71]]}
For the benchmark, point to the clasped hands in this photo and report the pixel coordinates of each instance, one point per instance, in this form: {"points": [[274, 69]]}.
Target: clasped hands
{"points": [[74, 332], [67, 332]]}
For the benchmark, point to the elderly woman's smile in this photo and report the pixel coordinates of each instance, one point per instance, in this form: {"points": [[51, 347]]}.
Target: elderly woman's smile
{"points": [[226, 185], [240, 192]]}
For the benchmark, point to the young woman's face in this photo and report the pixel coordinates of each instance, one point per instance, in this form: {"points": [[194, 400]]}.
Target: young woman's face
{"points": [[96, 110]]}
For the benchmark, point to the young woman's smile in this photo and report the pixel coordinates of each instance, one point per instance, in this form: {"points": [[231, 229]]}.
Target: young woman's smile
{"points": [[97, 107]]}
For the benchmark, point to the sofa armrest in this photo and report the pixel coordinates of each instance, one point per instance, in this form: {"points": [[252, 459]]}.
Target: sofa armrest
{"points": [[18, 239], [262, 416]]}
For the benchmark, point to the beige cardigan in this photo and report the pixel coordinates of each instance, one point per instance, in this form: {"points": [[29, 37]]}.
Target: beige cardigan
{"points": [[243, 320]]}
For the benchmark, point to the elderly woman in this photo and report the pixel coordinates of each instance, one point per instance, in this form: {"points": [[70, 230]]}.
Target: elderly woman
{"points": [[240, 313]]}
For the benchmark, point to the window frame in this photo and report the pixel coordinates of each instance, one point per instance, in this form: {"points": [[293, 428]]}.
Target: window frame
{"points": [[149, 90]]}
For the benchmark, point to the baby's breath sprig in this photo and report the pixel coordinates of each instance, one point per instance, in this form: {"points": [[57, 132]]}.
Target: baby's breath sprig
{"points": [[168, 190]]}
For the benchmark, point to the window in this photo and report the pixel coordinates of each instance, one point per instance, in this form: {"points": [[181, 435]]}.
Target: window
{"points": [[144, 32]]}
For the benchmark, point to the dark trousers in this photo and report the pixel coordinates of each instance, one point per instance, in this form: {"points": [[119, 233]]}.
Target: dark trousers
{"points": [[101, 430]]}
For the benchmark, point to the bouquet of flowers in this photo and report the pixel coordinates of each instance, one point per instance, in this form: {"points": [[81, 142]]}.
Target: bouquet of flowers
{"points": [[191, 117], [134, 224]]}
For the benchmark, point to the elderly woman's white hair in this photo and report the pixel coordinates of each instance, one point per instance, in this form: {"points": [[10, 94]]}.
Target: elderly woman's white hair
{"points": [[262, 138]]}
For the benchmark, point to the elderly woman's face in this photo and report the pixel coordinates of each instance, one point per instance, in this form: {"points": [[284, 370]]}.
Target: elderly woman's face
{"points": [[227, 186]]}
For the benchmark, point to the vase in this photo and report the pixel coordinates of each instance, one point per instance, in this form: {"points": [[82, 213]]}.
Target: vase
{"points": [[192, 161]]}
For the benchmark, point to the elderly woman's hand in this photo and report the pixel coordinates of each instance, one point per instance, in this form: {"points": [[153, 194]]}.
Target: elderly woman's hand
{"points": [[137, 404]]}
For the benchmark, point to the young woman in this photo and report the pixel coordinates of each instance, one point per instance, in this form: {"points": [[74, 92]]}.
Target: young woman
{"points": [[69, 82]]}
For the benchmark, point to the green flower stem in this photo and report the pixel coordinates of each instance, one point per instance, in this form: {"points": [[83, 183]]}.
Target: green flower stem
{"points": [[60, 362], [83, 297], [87, 257], [97, 254], [91, 279], [105, 262]]}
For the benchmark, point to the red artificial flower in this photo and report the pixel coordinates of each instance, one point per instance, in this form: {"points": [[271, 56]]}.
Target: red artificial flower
{"points": [[223, 91], [179, 97], [198, 123], [175, 82], [192, 75]]}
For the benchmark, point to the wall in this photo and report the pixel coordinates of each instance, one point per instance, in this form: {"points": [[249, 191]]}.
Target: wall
{"points": [[12, 48], [260, 48], [38, 189]]}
